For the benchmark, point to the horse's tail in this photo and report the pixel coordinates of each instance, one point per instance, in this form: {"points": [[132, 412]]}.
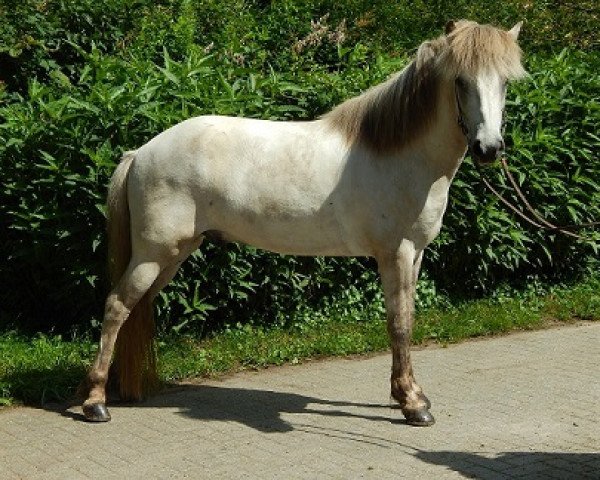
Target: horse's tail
{"points": [[134, 366]]}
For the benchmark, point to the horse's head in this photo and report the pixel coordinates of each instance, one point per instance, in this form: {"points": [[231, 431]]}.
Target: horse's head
{"points": [[481, 59]]}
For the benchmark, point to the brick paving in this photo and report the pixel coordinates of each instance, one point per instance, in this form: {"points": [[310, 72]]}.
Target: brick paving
{"points": [[522, 406]]}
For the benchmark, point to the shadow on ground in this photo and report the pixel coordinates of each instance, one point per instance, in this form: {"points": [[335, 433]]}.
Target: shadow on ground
{"points": [[528, 465], [37, 386], [259, 409], [262, 410]]}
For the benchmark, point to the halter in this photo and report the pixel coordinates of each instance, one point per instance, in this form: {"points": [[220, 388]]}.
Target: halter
{"points": [[460, 120], [539, 221]]}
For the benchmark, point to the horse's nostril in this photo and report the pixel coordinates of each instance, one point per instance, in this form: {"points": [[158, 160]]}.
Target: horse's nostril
{"points": [[486, 153]]}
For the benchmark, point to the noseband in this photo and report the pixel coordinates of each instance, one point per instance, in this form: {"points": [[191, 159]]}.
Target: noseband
{"points": [[538, 220]]}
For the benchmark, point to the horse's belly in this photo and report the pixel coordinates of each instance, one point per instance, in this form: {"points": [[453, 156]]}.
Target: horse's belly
{"points": [[294, 236], [290, 247]]}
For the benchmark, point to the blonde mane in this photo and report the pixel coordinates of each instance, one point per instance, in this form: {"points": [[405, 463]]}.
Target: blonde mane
{"points": [[388, 116]]}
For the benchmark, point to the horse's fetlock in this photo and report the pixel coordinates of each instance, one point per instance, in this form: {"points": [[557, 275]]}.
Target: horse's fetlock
{"points": [[96, 377], [406, 391]]}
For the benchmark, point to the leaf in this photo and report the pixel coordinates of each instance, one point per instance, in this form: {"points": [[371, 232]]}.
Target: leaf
{"points": [[169, 75]]}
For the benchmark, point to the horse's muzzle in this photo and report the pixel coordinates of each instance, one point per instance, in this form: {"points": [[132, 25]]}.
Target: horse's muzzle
{"points": [[486, 153]]}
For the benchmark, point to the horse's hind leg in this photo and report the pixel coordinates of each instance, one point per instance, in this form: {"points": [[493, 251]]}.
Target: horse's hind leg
{"points": [[398, 277], [135, 282], [141, 278]]}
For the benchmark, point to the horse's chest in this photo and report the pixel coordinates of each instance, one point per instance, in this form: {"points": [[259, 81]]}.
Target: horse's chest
{"points": [[429, 221]]}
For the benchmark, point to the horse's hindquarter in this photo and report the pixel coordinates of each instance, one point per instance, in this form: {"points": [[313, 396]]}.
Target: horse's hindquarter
{"points": [[267, 184]]}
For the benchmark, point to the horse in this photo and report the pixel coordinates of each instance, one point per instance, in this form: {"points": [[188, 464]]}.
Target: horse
{"points": [[369, 178]]}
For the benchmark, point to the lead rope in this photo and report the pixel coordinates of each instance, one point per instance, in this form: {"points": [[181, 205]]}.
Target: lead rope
{"points": [[539, 221]]}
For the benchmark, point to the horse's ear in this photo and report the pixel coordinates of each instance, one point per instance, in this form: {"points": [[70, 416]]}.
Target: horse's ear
{"points": [[450, 26], [425, 53], [514, 31]]}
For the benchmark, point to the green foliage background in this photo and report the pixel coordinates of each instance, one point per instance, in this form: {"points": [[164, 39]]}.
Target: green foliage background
{"points": [[81, 81]]}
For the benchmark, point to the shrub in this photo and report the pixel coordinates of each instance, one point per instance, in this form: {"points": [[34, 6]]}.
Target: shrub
{"points": [[77, 95], [59, 145], [552, 149]]}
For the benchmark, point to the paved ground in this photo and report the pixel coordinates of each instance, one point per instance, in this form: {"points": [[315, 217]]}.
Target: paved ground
{"points": [[526, 405]]}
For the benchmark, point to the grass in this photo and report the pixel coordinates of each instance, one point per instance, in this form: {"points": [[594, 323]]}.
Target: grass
{"points": [[45, 368]]}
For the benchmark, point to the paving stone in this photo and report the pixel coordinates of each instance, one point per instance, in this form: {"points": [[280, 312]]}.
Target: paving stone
{"points": [[525, 405]]}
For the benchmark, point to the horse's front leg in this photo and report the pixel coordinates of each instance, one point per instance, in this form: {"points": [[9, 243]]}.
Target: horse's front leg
{"points": [[399, 271]]}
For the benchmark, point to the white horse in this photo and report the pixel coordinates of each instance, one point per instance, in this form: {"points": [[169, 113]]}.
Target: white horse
{"points": [[370, 178]]}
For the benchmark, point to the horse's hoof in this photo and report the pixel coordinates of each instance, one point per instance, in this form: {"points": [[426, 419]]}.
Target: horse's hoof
{"points": [[96, 412], [419, 418]]}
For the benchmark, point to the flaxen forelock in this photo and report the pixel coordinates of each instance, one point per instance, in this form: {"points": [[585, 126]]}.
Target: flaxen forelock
{"points": [[470, 48], [387, 117]]}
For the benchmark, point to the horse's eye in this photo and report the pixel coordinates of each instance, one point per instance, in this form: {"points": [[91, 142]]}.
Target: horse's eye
{"points": [[461, 83]]}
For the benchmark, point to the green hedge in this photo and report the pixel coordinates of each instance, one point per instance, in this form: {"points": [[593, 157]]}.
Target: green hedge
{"points": [[95, 78]]}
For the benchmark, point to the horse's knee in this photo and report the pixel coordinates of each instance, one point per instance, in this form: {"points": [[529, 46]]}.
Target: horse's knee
{"points": [[400, 332]]}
